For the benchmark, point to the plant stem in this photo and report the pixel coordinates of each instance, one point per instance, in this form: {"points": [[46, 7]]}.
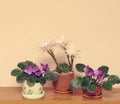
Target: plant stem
{"points": [[72, 59], [53, 56], [50, 52], [68, 59]]}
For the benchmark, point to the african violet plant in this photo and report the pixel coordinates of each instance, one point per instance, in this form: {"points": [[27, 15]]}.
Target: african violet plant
{"points": [[94, 78], [32, 73]]}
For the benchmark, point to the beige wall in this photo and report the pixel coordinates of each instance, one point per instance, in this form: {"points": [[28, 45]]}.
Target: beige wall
{"points": [[92, 25]]}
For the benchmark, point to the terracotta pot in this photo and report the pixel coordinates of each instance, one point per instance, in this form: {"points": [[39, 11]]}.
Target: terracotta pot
{"points": [[96, 94], [62, 85]]}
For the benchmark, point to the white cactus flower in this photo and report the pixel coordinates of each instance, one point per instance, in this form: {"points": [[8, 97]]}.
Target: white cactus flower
{"points": [[62, 43], [72, 51], [48, 45]]}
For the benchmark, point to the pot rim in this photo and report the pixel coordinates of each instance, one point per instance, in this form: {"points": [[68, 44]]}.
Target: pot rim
{"points": [[71, 72]]}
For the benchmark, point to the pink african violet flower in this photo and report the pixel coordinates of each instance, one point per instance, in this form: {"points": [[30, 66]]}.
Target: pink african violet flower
{"points": [[88, 71], [36, 70], [38, 73], [45, 67], [28, 70], [96, 74], [99, 74]]}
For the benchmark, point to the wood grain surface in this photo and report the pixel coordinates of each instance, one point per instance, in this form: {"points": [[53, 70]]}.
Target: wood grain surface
{"points": [[12, 95]]}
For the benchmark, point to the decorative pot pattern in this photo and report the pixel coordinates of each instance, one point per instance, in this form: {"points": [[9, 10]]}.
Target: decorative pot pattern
{"points": [[32, 92]]}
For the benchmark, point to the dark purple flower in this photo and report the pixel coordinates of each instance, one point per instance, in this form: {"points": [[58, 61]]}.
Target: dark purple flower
{"points": [[28, 70], [38, 73], [45, 67], [88, 71]]}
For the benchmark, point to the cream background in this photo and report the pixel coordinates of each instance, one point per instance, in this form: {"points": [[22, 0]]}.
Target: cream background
{"points": [[91, 25]]}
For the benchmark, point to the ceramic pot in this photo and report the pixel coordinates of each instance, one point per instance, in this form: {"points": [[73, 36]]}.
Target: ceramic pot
{"points": [[32, 92], [62, 84], [96, 94]]}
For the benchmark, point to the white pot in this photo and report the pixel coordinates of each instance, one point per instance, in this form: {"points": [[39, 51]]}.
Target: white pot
{"points": [[32, 92]]}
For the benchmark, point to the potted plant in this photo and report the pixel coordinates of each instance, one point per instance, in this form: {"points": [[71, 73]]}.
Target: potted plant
{"points": [[32, 77], [93, 81], [63, 70]]}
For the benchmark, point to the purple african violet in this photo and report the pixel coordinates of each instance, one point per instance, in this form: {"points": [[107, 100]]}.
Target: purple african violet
{"points": [[38, 73], [88, 71], [45, 67], [28, 70], [96, 74], [36, 70]]}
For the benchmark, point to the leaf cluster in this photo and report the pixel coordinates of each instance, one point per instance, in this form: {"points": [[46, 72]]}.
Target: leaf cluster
{"points": [[21, 76]]}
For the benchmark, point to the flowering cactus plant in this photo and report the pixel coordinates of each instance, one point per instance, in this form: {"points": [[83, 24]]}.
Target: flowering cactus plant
{"points": [[32, 73], [93, 78], [68, 49]]}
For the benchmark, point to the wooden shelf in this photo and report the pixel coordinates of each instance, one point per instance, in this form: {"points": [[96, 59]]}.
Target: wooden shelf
{"points": [[12, 95]]}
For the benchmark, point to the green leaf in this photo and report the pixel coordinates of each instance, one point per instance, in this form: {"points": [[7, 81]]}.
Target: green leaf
{"points": [[85, 82], [41, 80], [80, 67], [114, 79], [29, 63], [21, 78], [107, 85], [50, 76], [15, 72], [93, 81], [91, 88], [75, 83], [22, 65], [104, 69], [31, 80]]}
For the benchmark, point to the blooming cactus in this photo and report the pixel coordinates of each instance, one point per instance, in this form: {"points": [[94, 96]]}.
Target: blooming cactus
{"points": [[70, 52]]}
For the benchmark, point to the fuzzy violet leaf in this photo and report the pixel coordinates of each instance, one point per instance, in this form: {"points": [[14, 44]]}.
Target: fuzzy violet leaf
{"points": [[107, 85], [29, 63], [22, 65], [50, 76], [75, 83], [104, 69], [85, 82], [41, 80], [31, 80], [114, 79], [16, 72], [21, 78], [91, 88], [80, 67]]}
